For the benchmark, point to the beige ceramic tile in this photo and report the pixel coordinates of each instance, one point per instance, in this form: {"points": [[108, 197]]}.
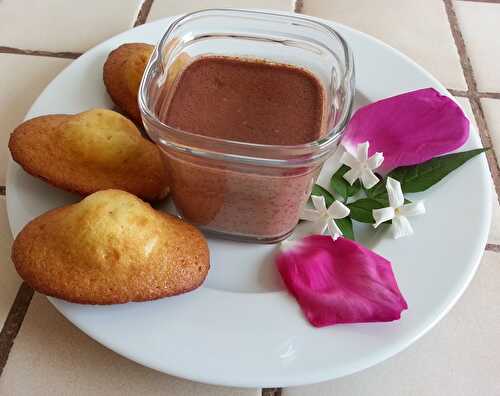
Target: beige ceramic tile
{"points": [[459, 357], [61, 25], [24, 77], [9, 280], [494, 236], [164, 8], [420, 29], [491, 108], [480, 25], [52, 357]]}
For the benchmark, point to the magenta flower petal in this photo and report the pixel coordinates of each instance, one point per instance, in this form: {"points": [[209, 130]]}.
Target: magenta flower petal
{"points": [[340, 281], [409, 129]]}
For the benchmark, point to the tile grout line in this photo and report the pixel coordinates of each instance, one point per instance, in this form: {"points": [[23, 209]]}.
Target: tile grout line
{"points": [[457, 92], [491, 247], [298, 6], [143, 13], [13, 322], [473, 94], [483, 1], [271, 391], [19, 51], [466, 94], [491, 95]]}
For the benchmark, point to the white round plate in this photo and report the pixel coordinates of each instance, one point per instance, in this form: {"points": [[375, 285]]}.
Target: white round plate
{"points": [[242, 328]]}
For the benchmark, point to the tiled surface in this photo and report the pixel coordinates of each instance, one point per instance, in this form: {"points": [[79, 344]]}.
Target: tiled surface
{"points": [[61, 25], [59, 359], [491, 108], [494, 236], [480, 25], [51, 357], [165, 8], [458, 357], [420, 29], [9, 280], [19, 90]]}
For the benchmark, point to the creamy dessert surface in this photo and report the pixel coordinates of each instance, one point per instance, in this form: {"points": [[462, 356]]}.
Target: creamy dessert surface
{"points": [[247, 100]]}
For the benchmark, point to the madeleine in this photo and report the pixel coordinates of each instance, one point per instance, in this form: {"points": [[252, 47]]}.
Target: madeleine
{"points": [[122, 74], [110, 248], [95, 150]]}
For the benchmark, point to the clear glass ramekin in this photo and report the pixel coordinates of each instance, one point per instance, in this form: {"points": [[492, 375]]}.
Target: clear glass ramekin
{"points": [[242, 190]]}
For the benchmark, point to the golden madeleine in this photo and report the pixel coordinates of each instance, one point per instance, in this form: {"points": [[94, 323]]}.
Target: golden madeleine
{"points": [[110, 248], [122, 74], [90, 151]]}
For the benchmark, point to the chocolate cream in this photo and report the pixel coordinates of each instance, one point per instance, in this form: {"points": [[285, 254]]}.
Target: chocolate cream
{"points": [[250, 101], [247, 100]]}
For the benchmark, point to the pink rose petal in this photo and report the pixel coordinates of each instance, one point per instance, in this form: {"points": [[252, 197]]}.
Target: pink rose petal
{"points": [[409, 129], [340, 281]]}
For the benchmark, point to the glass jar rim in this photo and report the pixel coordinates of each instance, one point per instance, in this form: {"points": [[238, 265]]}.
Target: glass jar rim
{"points": [[235, 151]]}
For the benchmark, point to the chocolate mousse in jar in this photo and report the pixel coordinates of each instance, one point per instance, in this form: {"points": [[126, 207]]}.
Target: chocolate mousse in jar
{"points": [[246, 106]]}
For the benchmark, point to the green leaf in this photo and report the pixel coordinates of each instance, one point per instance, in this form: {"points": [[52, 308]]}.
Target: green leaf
{"points": [[377, 191], [345, 226], [341, 186], [420, 177], [320, 191], [361, 210]]}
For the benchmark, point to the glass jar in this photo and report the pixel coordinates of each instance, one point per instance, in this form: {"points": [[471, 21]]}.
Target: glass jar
{"points": [[237, 189]]}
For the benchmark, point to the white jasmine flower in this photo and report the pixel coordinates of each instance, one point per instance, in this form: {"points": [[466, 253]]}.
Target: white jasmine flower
{"points": [[361, 166], [398, 211], [324, 218]]}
